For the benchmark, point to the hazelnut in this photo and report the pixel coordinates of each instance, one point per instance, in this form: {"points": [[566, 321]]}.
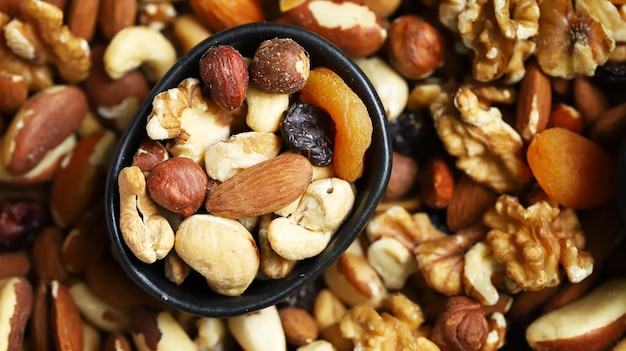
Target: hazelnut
{"points": [[225, 73], [280, 66], [415, 47], [179, 185], [149, 154], [462, 326]]}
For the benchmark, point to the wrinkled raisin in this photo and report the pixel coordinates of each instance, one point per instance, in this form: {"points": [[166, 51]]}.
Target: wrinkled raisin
{"points": [[412, 134], [307, 130], [20, 221]]}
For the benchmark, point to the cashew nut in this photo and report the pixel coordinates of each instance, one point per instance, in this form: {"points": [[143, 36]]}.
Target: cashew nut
{"points": [[317, 345], [294, 242], [139, 46], [259, 331], [211, 334], [272, 265], [325, 204], [222, 250], [393, 262], [392, 88], [265, 110], [146, 232]]}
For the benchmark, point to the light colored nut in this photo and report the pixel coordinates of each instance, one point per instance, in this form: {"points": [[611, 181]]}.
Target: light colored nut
{"points": [[259, 331], [146, 232], [324, 205], [294, 242], [299, 326], [157, 15], [211, 333], [391, 87], [222, 250], [35, 129], [265, 110], [479, 268], [176, 270], [148, 323], [317, 345], [139, 46], [189, 31], [354, 281], [16, 301], [328, 309], [78, 182], [392, 261], [272, 264], [353, 27], [599, 318], [97, 311], [91, 338], [117, 342], [224, 159]]}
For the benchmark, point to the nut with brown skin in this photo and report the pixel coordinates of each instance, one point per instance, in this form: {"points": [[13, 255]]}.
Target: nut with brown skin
{"points": [[114, 15], [13, 92], [415, 47], [16, 300], [149, 154], [534, 103], [280, 66], [299, 326], [461, 327], [225, 73], [179, 185]]}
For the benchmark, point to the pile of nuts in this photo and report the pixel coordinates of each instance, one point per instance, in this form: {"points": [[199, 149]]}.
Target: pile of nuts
{"points": [[500, 227]]}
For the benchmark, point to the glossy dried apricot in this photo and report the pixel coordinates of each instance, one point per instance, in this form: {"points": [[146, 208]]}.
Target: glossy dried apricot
{"points": [[571, 169], [353, 126]]}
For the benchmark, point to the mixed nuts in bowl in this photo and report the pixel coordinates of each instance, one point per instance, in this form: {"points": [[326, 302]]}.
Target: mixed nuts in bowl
{"points": [[220, 208]]}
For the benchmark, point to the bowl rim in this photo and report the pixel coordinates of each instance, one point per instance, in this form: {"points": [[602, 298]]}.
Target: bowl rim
{"points": [[215, 305]]}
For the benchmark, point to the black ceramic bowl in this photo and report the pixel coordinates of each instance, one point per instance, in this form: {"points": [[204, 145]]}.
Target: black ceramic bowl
{"points": [[194, 295]]}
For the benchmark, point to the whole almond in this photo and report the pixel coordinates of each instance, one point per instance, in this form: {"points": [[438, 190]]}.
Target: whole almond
{"points": [[116, 15], [225, 73], [222, 14], [67, 323], [468, 203], [82, 17], [534, 103], [299, 326], [262, 188]]}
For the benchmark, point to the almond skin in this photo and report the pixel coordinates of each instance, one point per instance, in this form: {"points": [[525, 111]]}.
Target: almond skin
{"points": [[262, 188]]}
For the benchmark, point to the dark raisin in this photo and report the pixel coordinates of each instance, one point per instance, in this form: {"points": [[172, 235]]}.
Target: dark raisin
{"points": [[308, 131], [412, 134], [20, 221]]}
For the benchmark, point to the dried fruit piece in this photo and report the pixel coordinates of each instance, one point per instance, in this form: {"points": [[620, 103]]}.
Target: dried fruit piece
{"points": [[353, 126], [307, 130], [571, 169]]}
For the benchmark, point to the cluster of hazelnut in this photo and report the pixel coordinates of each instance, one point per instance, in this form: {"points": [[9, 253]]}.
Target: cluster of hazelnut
{"points": [[500, 228]]}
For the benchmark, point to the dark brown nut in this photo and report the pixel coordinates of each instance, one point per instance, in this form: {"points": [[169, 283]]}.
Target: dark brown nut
{"points": [[14, 264], [47, 262], [437, 182], [280, 66], [299, 326], [462, 325], [179, 185], [82, 17], [149, 154], [415, 47], [225, 73], [78, 183], [115, 101], [35, 129], [16, 300], [115, 15], [403, 176]]}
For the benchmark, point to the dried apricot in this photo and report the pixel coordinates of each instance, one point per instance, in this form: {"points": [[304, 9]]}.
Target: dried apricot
{"points": [[353, 126], [571, 169]]}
